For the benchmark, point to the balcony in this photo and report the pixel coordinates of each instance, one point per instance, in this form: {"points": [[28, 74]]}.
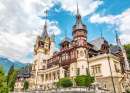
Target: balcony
{"points": [[68, 61], [52, 64]]}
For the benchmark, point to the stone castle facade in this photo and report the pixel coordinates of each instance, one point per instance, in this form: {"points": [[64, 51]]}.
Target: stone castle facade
{"points": [[108, 64]]}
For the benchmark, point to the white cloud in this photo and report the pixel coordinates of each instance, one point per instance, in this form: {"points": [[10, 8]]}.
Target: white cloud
{"points": [[20, 24], [85, 6], [57, 49], [57, 10], [61, 38], [121, 20]]}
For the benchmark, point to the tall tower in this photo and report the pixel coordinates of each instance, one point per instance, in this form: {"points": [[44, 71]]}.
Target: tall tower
{"points": [[79, 31], [41, 50], [123, 52], [52, 47]]}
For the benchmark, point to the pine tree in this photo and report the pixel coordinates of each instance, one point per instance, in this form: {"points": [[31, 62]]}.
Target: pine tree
{"points": [[11, 70], [25, 85], [12, 80], [3, 85]]}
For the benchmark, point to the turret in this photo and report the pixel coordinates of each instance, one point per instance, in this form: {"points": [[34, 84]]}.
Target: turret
{"points": [[52, 46], [123, 52], [79, 31]]}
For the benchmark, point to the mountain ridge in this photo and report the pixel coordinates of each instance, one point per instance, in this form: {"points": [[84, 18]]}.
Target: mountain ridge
{"points": [[6, 63]]}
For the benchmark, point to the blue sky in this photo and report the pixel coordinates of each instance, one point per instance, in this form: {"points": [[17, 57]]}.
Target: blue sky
{"points": [[67, 20], [22, 20]]}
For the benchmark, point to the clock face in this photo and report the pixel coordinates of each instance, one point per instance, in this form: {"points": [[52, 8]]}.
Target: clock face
{"points": [[46, 45], [81, 53]]}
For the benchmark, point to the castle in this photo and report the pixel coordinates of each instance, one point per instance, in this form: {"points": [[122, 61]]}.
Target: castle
{"points": [[108, 64]]}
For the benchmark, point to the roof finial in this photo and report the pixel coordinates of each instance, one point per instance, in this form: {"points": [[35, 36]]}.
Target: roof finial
{"points": [[77, 8], [101, 31], [65, 32]]}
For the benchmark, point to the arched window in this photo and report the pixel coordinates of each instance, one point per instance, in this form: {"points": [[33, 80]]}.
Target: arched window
{"points": [[105, 86]]}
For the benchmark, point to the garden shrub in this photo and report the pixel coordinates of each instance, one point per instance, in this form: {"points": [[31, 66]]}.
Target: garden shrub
{"points": [[65, 82], [84, 80]]}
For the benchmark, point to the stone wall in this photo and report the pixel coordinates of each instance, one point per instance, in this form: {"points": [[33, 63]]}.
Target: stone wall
{"points": [[109, 84]]}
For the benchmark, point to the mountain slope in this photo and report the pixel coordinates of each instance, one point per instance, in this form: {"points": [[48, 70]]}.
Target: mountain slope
{"points": [[7, 64]]}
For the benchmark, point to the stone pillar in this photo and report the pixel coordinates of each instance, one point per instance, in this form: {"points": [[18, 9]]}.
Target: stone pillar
{"points": [[51, 77], [56, 75], [44, 78]]}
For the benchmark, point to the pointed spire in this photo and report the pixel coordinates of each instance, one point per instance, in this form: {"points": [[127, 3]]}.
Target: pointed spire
{"points": [[118, 41], [45, 26], [65, 32], [101, 31], [77, 9]]}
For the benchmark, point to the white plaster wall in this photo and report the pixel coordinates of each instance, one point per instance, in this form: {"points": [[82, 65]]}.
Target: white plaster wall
{"points": [[105, 70], [61, 72], [72, 73], [80, 64], [52, 48]]}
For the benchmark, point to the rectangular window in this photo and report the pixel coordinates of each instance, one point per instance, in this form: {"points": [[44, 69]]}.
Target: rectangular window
{"points": [[78, 71], [66, 55], [93, 70], [44, 61], [96, 70], [99, 69], [63, 57], [67, 73]]}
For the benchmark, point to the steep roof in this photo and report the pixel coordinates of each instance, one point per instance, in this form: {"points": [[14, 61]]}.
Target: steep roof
{"points": [[66, 39], [23, 72], [98, 42], [56, 52], [119, 42], [114, 49], [44, 34]]}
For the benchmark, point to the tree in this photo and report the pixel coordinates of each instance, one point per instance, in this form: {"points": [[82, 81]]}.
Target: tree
{"points": [[110, 45], [65, 82], [11, 70], [12, 80], [3, 85], [127, 48], [25, 85]]}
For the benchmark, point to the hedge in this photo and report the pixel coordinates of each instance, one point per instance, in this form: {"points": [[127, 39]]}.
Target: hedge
{"points": [[84, 80], [65, 82]]}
